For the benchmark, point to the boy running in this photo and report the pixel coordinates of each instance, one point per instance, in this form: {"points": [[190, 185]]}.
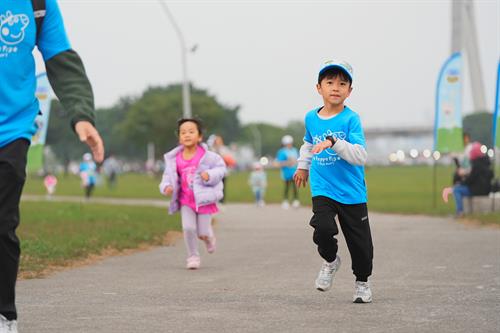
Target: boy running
{"points": [[333, 154]]}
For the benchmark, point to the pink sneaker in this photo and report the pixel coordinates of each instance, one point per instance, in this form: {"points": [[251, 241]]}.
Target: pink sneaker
{"points": [[210, 243], [193, 262]]}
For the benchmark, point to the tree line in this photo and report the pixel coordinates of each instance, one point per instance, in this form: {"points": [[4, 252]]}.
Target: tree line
{"points": [[133, 122]]}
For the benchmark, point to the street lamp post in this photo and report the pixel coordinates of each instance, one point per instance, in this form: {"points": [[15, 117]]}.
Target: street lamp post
{"points": [[186, 98]]}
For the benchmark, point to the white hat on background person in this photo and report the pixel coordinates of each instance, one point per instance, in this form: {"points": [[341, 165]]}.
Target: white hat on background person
{"points": [[87, 157], [287, 140]]}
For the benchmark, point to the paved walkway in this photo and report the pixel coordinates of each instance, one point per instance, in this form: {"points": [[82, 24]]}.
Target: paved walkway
{"points": [[431, 275]]}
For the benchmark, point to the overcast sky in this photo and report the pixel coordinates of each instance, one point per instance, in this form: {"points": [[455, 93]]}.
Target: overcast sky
{"points": [[265, 55]]}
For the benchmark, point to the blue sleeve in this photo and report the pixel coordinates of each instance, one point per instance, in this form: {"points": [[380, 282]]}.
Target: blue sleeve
{"points": [[356, 135], [52, 38]]}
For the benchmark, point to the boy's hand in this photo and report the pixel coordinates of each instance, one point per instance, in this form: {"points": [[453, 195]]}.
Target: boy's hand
{"points": [[300, 177], [204, 175], [168, 190], [318, 148]]}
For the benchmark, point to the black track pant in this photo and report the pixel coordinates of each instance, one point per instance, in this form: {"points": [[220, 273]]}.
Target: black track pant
{"points": [[12, 177], [353, 220]]}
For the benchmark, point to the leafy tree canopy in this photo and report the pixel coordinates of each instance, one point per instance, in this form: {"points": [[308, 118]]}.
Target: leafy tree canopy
{"points": [[479, 126]]}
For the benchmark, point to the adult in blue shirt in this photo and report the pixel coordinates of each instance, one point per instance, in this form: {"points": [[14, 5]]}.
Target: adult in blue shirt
{"points": [[19, 34], [286, 159]]}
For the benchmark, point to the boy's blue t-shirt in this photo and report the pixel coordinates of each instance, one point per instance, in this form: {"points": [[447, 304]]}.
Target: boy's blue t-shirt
{"points": [[329, 174], [287, 154], [18, 104]]}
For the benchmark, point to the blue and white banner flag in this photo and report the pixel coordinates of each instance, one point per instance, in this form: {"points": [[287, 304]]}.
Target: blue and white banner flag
{"points": [[44, 95], [496, 115], [448, 119]]}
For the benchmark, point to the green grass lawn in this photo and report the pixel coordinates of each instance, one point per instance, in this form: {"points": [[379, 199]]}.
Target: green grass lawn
{"points": [[393, 186], [129, 186], [402, 190], [406, 190], [57, 234]]}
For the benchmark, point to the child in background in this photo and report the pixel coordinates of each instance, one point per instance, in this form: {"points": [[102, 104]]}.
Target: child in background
{"points": [[286, 159], [50, 182], [193, 178], [258, 182], [88, 170]]}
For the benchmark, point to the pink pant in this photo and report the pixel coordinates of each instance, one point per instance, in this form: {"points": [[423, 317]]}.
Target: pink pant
{"points": [[195, 225]]}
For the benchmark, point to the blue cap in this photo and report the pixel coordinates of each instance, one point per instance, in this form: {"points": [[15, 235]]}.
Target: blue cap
{"points": [[343, 65]]}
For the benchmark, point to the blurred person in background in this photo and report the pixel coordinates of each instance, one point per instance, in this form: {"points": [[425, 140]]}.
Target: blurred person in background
{"points": [[50, 182], [477, 181], [111, 168], [216, 143], [462, 162], [286, 159], [258, 183], [88, 174]]}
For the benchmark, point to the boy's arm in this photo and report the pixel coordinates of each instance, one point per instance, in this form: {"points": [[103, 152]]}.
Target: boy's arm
{"points": [[352, 149], [301, 175], [305, 156], [354, 154]]}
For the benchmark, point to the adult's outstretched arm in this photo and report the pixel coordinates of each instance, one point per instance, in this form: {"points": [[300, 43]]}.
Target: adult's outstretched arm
{"points": [[71, 85]]}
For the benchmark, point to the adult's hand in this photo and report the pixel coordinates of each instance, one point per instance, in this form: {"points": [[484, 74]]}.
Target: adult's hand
{"points": [[88, 134]]}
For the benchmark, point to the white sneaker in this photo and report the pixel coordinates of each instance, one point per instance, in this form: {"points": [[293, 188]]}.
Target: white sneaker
{"points": [[296, 204], [261, 203], [7, 326], [193, 262], [363, 293], [285, 204], [326, 274]]}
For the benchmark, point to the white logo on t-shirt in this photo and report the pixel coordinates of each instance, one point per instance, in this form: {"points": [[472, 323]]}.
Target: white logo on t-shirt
{"points": [[320, 138], [12, 28], [332, 155]]}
